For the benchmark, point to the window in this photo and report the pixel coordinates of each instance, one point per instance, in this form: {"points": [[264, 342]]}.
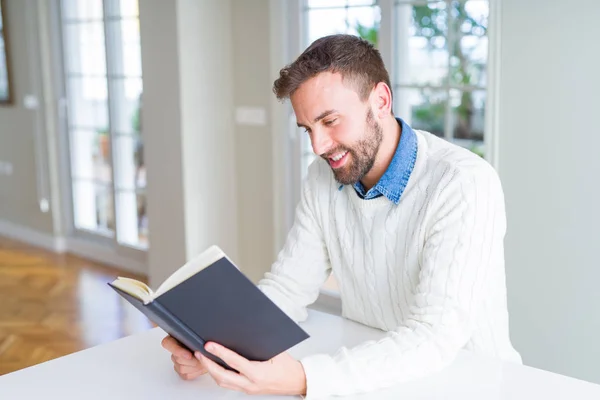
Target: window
{"points": [[103, 77], [435, 51], [439, 68], [438, 59]]}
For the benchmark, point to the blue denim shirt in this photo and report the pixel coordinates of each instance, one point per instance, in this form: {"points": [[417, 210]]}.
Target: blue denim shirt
{"points": [[394, 180]]}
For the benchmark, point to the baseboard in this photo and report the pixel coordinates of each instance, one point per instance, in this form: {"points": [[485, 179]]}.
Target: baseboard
{"points": [[32, 237], [105, 255], [80, 247]]}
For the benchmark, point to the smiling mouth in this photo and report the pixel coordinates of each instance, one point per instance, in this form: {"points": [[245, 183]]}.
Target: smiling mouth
{"points": [[338, 159]]}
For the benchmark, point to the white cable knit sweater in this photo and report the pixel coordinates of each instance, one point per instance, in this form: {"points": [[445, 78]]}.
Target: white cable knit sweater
{"points": [[429, 271]]}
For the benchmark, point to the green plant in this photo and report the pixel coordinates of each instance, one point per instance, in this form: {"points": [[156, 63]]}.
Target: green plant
{"points": [[370, 33], [432, 23], [135, 120], [477, 150]]}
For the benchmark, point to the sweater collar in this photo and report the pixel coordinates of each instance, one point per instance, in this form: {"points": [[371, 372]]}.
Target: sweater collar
{"points": [[395, 178]]}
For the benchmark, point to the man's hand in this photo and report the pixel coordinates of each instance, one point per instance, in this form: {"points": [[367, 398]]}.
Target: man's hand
{"points": [[281, 375], [184, 362]]}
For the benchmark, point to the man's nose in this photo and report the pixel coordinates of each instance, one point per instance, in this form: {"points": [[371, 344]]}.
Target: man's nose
{"points": [[321, 142]]}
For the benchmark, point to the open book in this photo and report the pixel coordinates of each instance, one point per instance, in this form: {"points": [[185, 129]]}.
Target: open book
{"points": [[210, 299], [142, 292]]}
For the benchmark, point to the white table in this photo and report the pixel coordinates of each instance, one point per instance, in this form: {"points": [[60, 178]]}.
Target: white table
{"points": [[136, 367]]}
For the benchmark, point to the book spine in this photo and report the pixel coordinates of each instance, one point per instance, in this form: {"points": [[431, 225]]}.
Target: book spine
{"points": [[182, 333]]}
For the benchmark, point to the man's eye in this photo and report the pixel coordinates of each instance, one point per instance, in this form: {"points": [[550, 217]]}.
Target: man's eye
{"points": [[331, 121], [306, 130]]}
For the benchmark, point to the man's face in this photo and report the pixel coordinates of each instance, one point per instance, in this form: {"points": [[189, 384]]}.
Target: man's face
{"points": [[341, 127]]}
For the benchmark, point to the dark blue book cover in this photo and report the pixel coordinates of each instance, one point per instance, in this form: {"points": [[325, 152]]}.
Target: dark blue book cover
{"points": [[220, 304]]}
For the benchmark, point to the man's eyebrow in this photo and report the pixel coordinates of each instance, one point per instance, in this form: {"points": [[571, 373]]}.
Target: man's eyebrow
{"points": [[319, 117]]}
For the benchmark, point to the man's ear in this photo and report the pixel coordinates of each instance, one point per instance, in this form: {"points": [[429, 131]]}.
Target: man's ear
{"points": [[381, 100]]}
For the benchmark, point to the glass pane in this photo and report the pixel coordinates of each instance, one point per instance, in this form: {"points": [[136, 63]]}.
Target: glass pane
{"points": [[126, 96], [469, 54], [421, 44], [339, 3], [3, 71], [84, 48], [88, 102], [127, 58], [122, 8], [133, 221], [143, 226], [364, 22], [90, 155], [422, 108], [82, 9], [93, 206], [360, 21], [130, 171], [468, 118]]}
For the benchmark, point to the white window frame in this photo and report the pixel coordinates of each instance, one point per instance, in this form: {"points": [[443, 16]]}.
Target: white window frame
{"points": [[92, 244]]}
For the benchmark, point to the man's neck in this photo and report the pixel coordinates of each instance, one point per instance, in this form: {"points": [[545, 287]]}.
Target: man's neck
{"points": [[391, 137]]}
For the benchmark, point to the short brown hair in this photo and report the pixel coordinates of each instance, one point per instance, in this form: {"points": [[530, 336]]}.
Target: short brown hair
{"points": [[357, 60]]}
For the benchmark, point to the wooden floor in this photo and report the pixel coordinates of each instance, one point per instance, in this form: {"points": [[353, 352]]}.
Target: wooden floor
{"points": [[52, 305]]}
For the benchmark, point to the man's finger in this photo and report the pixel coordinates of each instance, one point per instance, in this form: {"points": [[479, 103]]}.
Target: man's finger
{"points": [[170, 344], [230, 357], [184, 361], [223, 377], [185, 369], [189, 374], [195, 375]]}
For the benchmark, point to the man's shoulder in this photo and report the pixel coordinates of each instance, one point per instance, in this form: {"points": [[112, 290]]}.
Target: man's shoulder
{"points": [[441, 159]]}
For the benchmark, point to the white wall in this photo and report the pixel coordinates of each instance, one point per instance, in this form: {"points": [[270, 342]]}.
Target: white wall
{"points": [[188, 130], [550, 167], [206, 69], [254, 150], [22, 130]]}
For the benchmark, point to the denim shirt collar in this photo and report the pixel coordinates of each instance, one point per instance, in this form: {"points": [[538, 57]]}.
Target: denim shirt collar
{"points": [[394, 180]]}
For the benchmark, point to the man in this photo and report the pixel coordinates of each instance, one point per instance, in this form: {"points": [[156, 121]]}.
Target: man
{"points": [[412, 226]]}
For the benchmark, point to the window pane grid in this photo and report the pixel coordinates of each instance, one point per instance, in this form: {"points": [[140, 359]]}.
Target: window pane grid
{"points": [[456, 29], [466, 56], [104, 118]]}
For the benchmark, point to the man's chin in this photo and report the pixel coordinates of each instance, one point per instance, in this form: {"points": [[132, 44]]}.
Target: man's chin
{"points": [[344, 179]]}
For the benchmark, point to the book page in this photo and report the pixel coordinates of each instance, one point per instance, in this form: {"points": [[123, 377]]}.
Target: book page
{"points": [[197, 264], [135, 288]]}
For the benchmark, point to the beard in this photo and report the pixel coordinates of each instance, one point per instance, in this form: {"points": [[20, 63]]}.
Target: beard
{"points": [[362, 154]]}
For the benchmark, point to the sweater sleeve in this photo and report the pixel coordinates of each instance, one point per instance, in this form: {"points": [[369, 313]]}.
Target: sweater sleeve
{"points": [[463, 243], [303, 264]]}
